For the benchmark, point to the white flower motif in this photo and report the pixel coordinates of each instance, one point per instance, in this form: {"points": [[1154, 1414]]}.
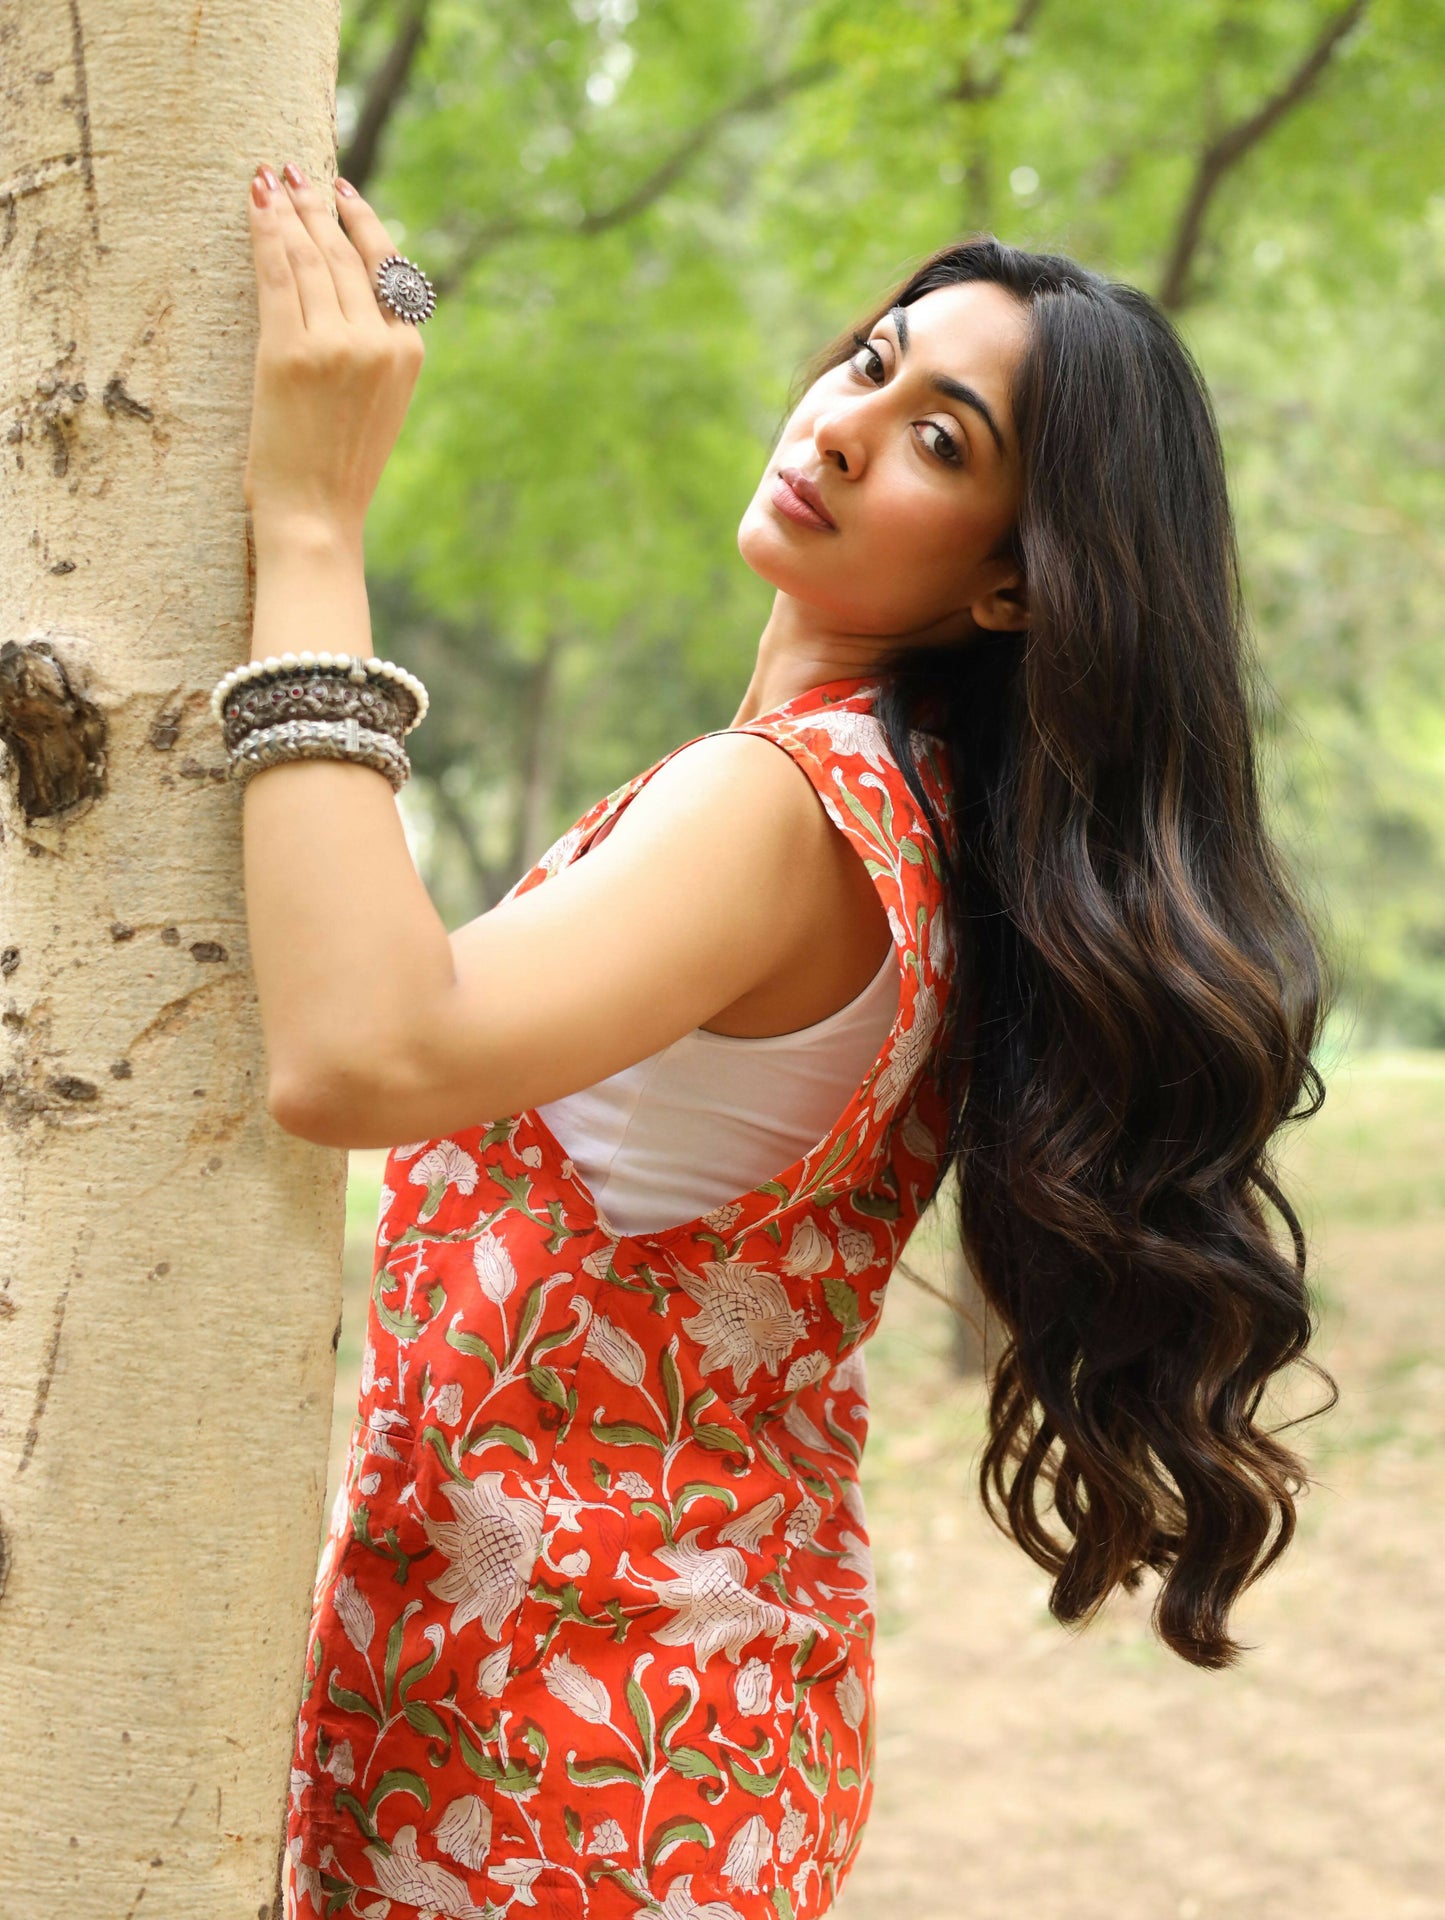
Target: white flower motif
{"points": [[802, 1523], [678, 1904], [368, 1483], [617, 1350], [852, 733], [855, 1245], [753, 1687], [802, 1428], [308, 1879], [857, 1557], [384, 1203], [448, 1403], [918, 1137], [792, 1828], [751, 1527], [491, 1545], [805, 1371], [561, 851], [368, 1367], [851, 1375], [808, 1252], [745, 1320], [353, 1609], [607, 1838], [519, 1874], [909, 1053], [446, 1165], [494, 1267], [853, 1503], [852, 1700], [578, 1689], [492, 1672], [300, 1781], [406, 1153], [531, 1157], [465, 1831], [574, 1565], [634, 1485], [402, 1875], [939, 943], [378, 1429], [721, 1218], [749, 1853], [342, 1763], [713, 1610], [600, 1260]]}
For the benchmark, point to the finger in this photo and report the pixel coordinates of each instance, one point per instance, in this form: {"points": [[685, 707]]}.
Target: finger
{"points": [[372, 242], [353, 292], [276, 294], [320, 308]]}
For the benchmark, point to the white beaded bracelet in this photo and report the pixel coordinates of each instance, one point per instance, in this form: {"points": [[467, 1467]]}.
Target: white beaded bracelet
{"points": [[357, 670]]}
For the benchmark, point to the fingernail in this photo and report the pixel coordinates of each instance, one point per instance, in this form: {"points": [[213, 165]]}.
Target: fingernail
{"points": [[294, 174], [271, 181], [258, 189], [345, 186]]}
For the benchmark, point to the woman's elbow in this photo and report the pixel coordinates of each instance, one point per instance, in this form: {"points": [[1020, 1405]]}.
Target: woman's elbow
{"points": [[329, 1108]]}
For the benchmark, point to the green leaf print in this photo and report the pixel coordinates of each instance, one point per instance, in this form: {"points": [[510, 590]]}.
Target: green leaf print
{"points": [[672, 1387], [508, 1776], [693, 1764], [842, 1303], [501, 1435], [602, 1773], [624, 1433], [398, 1780], [848, 1778], [547, 1386], [434, 1438], [426, 1720], [759, 1784], [721, 1440], [782, 1904], [393, 1651], [696, 1490], [527, 1319], [472, 1344], [574, 1828], [672, 1834], [641, 1710], [402, 1322], [350, 1702]]}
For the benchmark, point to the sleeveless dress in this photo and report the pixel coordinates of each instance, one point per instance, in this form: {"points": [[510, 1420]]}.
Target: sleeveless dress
{"points": [[592, 1626]]}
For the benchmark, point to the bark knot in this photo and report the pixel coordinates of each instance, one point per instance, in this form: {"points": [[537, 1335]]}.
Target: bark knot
{"points": [[55, 736]]}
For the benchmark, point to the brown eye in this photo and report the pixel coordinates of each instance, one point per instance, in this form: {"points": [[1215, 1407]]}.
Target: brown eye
{"points": [[866, 360], [945, 446]]}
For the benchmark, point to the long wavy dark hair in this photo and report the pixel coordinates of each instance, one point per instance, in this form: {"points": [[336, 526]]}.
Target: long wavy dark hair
{"points": [[1137, 993]]}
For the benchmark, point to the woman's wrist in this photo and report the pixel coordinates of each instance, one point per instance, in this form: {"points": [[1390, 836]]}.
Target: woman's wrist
{"points": [[310, 588]]}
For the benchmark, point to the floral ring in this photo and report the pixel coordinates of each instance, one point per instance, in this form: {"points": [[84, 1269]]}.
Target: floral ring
{"points": [[402, 286]]}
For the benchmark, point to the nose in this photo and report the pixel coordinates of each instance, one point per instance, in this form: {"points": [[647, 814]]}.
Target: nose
{"points": [[839, 437]]}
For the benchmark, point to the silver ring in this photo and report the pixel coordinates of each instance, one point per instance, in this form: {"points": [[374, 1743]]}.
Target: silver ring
{"points": [[402, 286]]}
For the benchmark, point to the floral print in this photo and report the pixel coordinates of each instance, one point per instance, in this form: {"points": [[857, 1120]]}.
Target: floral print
{"points": [[592, 1626]]}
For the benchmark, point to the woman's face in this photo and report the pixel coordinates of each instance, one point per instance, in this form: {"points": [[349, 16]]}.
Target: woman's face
{"points": [[895, 449]]}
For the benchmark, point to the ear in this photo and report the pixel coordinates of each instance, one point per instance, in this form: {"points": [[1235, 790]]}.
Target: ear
{"points": [[1003, 608]]}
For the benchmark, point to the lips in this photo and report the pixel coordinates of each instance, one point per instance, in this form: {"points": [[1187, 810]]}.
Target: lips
{"points": [[795, 495]]}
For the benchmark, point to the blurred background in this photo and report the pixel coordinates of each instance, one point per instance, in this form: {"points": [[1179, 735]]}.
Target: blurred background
{"points": [[642, 216]]}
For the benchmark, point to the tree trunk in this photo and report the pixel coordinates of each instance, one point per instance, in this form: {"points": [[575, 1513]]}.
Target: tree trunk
{"points": [[169, 1259]]}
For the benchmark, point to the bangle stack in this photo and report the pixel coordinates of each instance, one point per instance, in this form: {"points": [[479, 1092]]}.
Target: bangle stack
{"points": [[331, 706]]}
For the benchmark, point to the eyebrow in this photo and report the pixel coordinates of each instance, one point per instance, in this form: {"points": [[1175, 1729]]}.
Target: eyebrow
{"points": [[946, 384]]}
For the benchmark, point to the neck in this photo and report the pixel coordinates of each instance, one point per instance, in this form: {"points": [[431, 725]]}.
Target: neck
{"points": [[796, 653]]}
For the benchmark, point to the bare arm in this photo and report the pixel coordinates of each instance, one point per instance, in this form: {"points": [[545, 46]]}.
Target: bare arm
{"points": [[379, 1026]]}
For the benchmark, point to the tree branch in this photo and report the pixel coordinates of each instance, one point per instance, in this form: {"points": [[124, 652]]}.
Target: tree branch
{"points": [[970, 86], [664, 176], [1225, 152], [383, 96]]}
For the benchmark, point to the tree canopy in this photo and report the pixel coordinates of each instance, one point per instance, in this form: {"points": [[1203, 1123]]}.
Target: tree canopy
{"points": [[643, 215]]}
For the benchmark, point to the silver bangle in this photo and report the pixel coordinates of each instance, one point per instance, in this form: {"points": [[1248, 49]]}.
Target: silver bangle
{"points": [[320, 740], [357, 670], [314, 696]]}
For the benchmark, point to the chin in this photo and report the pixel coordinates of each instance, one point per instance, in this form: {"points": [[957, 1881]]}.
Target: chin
{"points": [[768, 551]]}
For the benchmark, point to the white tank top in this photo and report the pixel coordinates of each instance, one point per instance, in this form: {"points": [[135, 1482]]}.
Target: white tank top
{"points": [[715, 1114]]}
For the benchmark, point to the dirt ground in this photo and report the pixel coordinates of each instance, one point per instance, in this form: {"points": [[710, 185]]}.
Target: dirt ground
{"points": [[1030, 1773]]}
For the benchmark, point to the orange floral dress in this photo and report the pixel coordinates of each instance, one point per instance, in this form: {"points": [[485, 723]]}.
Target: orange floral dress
{"points": [[593, 1619]]}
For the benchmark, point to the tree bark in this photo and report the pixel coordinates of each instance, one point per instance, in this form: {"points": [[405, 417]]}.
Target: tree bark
{"points": [[169, 1259]]}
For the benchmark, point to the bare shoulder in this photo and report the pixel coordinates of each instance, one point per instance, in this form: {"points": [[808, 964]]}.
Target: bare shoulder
{"points": [[725, 789]]}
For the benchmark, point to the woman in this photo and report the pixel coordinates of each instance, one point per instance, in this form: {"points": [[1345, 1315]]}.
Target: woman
{"points": [[593, 1620]]}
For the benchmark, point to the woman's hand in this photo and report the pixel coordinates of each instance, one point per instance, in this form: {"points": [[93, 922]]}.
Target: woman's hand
{"points": [[334, 369]]}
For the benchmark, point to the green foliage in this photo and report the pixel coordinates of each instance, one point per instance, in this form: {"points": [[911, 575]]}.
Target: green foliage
{"points": [[645, 214]]}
